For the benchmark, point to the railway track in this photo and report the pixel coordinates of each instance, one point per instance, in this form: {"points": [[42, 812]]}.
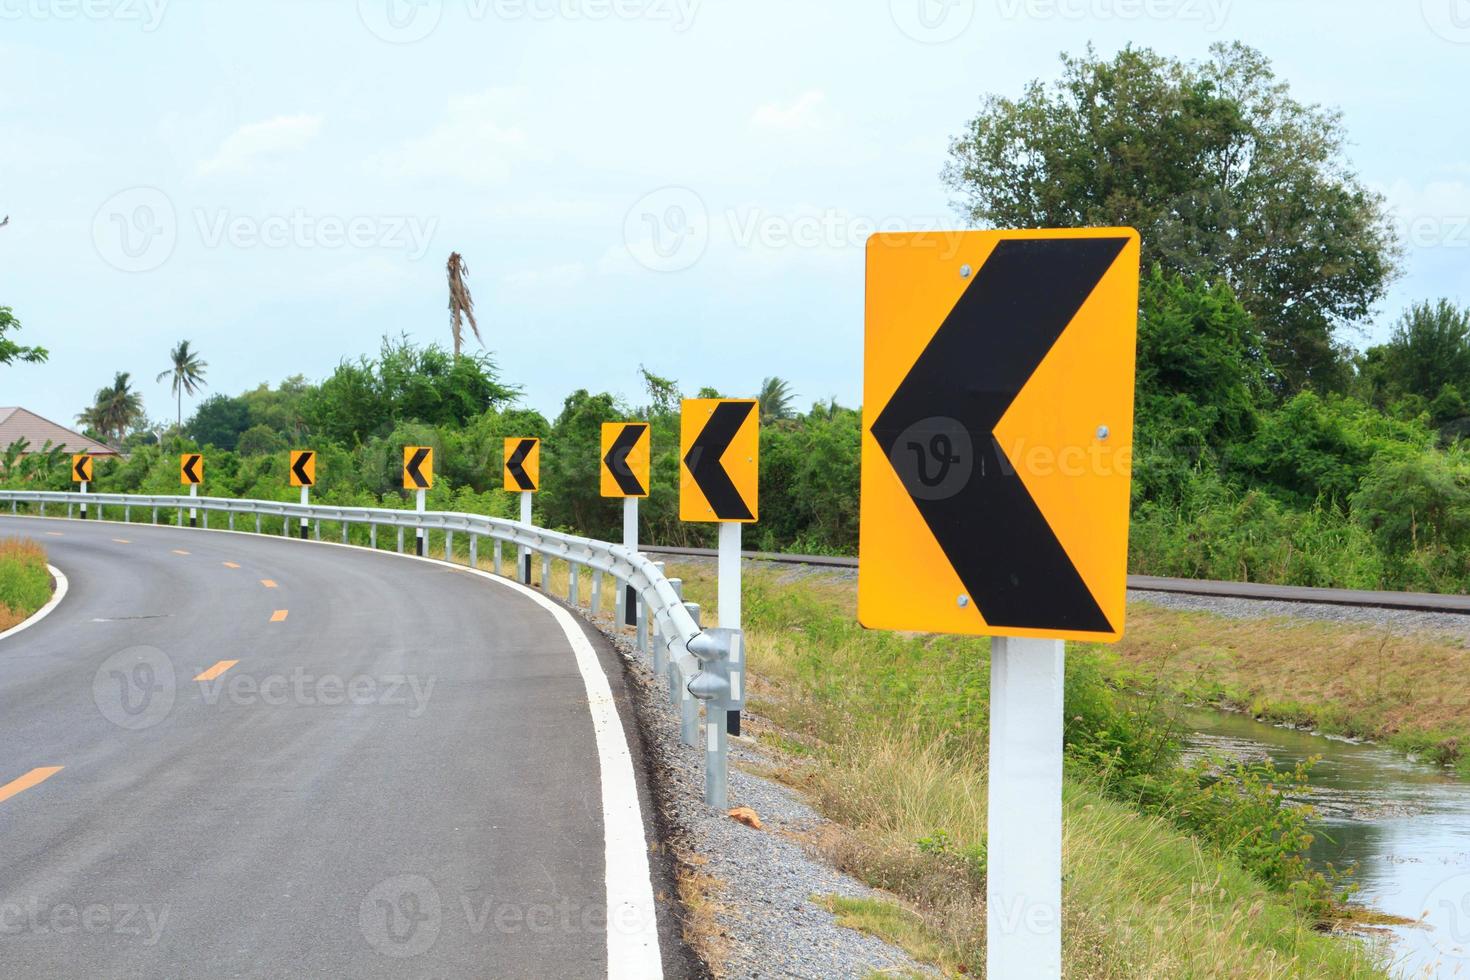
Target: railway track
{"points": [[1359, 598]]}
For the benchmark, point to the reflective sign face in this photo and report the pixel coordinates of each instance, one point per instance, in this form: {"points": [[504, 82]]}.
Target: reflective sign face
{"points": [[625, 459], [522, 465], [998, 432], [81, 468], [719, 459], [418, 467], [303, 468], [191, 469]]}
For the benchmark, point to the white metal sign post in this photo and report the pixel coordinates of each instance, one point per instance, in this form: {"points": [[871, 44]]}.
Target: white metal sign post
{"points": [[729, 596], [193, 514], [306, 501], [628, 604], [525, 559], [419, 502], [1023, 884], [84, 503]]}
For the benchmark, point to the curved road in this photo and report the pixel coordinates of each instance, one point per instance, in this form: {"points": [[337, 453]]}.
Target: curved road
{"points": [[406, 771]]}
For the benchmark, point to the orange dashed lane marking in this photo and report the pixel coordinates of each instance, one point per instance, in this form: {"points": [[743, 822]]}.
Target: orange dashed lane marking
{"points": [[230, 564], [278, 615], [269, 584], [55, 534], [180, 551], [216, 670], [121, 541], [33, 778]]}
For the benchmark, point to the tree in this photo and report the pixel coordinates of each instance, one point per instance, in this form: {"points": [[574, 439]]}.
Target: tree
{"points": [[187, 373], [775, 399], [1223, 173], [219, 420], [115, 410], [461, 304], [1428, 349], [10, 351]]}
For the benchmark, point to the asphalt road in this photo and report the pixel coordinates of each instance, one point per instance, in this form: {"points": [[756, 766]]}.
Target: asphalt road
{"points": [[399, 776]]}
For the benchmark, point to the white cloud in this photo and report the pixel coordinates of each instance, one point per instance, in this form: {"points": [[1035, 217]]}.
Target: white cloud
{"points": [[253, 143], [555, 277], [477, 141], [807, 112]]}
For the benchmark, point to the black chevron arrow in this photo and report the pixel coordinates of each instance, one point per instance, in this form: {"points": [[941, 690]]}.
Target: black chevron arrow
{"points": [[299, 467], [999, 543], [703, 460], [84, 463], [516, 464], [415, 473], [189, 463], [617, 459]]}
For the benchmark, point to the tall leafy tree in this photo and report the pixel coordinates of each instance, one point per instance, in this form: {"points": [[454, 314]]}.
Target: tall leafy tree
{"points": [[1428, 349], [775, 398], [10, 351], [1222, 171], [115, 409], [187, 372]]}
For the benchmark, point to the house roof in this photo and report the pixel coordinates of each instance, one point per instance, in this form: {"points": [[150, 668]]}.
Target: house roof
{"points": [[20, 423]]}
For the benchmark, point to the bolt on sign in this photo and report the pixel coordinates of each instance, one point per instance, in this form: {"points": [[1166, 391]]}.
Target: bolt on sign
{"points": [[625, 459], [522, 465], [303, 468], [418, 467], [191, 469], [997, 432], [719, 459], [81, 468]]}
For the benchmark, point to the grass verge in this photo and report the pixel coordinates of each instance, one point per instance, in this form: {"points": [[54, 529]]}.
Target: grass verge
{"points": [[25, 582], [888, 732]]}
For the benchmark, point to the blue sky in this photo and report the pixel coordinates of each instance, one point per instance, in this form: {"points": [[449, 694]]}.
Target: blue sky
{"points": [[684, 184]]}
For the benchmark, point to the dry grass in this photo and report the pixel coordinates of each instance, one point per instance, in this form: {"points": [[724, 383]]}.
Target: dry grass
{"points": [[25, 582]]}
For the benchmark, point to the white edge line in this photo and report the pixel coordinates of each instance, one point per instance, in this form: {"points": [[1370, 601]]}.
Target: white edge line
{"points": [[56, 596], [632, 920]]}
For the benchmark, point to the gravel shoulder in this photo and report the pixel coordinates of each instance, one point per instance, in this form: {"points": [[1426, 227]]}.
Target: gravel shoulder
{"points": [[1398, 621], [756, 916]]}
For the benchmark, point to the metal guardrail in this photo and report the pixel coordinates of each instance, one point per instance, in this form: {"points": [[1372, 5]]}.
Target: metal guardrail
{"points": [[695, 661]]}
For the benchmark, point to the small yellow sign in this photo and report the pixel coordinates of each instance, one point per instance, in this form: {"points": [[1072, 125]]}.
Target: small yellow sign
{"points": [[418, 467], [81, 468], [522, 465], [191, 469], [626, 452], [303, 468], [998, 432], [719, 460]]}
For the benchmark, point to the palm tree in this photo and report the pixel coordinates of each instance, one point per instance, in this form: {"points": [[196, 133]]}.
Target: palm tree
{"points": [[461, 304], [775, 398], [116, 409], [188, 375]]}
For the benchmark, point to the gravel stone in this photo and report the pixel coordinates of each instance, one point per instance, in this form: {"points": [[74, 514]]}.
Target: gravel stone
{"points": [[770, 925]]}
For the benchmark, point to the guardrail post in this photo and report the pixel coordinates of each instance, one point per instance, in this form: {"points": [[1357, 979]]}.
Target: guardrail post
{"points": [[572, 596], [545, 571], [68, 510], [155, 515], [496, 556], [400, 539], [127, 513], [232, 520], [316, 529], [345, 526], [373, 536], [474, 551], [712, 686], [640, 612], [449, 546], [595, 605], [651, 619], [257, 523], [679, 691]]}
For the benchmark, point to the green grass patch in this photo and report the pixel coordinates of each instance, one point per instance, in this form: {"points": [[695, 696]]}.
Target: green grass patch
{"points": [[25, 582]]}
